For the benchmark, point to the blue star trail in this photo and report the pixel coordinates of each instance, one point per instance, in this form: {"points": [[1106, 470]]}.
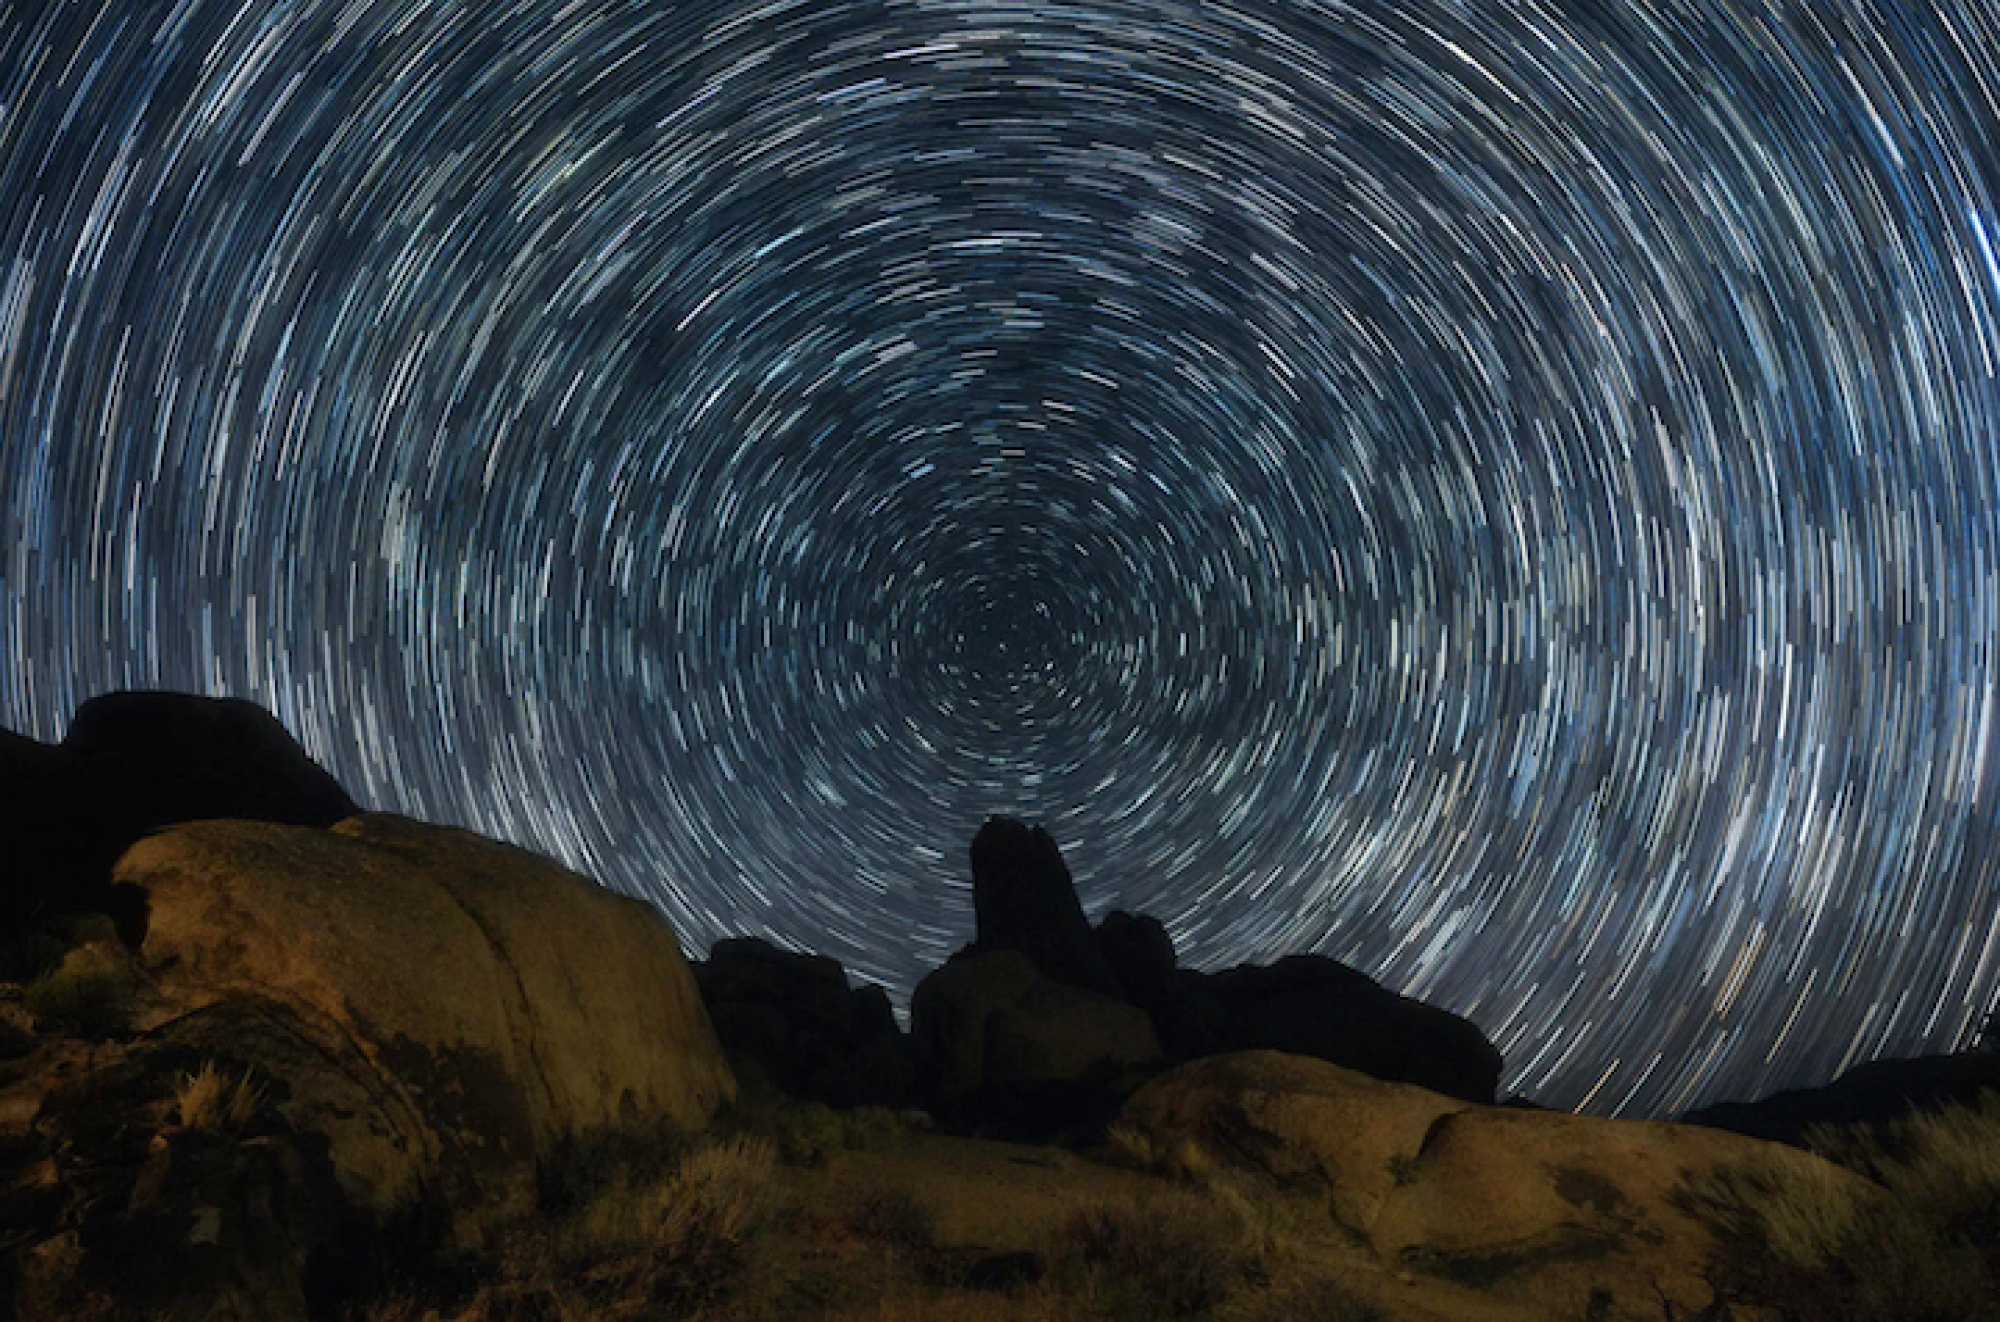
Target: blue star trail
{"points": [[1506, 495]]}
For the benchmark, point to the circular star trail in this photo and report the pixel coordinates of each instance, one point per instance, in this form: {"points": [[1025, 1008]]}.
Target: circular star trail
{"points": [[1501, 494]]}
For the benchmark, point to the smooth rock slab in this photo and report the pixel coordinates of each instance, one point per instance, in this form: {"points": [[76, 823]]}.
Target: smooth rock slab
{"points": [[496, 1001]]}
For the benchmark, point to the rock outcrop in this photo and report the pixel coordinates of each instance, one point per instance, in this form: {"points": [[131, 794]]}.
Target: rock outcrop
{"points": [[1010, 1052], [997, 1019], [132, 763], [792, 1020], [1534, 1206], [493, 1002], [1310, 1005], [1042, 997], [1298, 1120], [405, 1024], [1024, 900], [1140, 953]]}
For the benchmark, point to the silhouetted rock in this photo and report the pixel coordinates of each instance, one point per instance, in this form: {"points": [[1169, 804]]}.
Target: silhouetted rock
{"points": [[1023, 900], [1011, 1053], [1141, 955], [792, 1019], [1313, 1006], [132, 763], [498, 1002], [1877, 1093], [996, 1019], [1191, 1019]]}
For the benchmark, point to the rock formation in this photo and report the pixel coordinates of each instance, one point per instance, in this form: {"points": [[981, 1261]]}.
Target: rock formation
{"points": [[501, 1001], [129, 764], [1313, 1006], [997, 1019], [415, 1020], [1023, 900], [1041, 998], [1140, 953], [792, 1020], [1533, 1205]]}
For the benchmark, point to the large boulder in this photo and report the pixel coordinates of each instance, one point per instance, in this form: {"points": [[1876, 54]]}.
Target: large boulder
{"points": [[1024, 900], [130, 764], [487, 1002], [1550, 1206], [129, 1205], [1541, 1209], [1299, 1121], [1309, 1005], [996, 1019], [792, 1019]]}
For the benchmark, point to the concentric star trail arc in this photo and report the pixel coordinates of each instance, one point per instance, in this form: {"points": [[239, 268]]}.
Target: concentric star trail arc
{"points": [[1502, 494]]}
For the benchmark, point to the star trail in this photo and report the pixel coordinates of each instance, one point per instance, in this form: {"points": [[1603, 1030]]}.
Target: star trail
{"points": [[1506, 495]]}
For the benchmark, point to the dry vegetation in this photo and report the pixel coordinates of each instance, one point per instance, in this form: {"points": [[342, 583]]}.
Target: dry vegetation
{"points": [[206, 1099], [794, 1212], [1919, 1243], [799, 1213]]}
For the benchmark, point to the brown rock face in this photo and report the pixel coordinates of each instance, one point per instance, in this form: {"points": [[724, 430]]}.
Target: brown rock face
{"points": [[1297, 1120], [1023, 900], [1537, 1207], [485, 1001]]}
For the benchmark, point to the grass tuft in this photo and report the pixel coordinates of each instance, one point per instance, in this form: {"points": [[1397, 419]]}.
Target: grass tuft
{"points": [[1921, 1245], [712, 1210], [206, 1099], [1186, 1160]]}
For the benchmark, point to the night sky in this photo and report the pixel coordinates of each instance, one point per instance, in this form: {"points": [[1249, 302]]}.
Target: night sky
{"points": [[1503, 494]]}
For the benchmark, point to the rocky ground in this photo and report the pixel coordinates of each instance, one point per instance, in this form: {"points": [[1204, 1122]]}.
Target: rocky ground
{"points": [[264, 1056]]}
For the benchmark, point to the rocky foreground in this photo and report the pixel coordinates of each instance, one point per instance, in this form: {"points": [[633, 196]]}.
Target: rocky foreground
{"points": [[266, 1056]]}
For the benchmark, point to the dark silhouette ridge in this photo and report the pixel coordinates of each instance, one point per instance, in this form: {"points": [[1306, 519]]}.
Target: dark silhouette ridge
{"points": [[1042, 1026], [130, 764], [1876, 1093]]}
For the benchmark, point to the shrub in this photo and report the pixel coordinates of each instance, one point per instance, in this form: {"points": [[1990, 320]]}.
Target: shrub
{"points": [[1921, 1245], [205, 1099], [897, 1218], [93, 1004], [1271, 1225], [1185, 1160], [1153, 1258], [587, 1164], [800, 1133], [711, 1212]]}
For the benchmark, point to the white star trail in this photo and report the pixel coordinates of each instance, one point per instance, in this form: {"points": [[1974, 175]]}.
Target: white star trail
{"points": [[1506, 495]]}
